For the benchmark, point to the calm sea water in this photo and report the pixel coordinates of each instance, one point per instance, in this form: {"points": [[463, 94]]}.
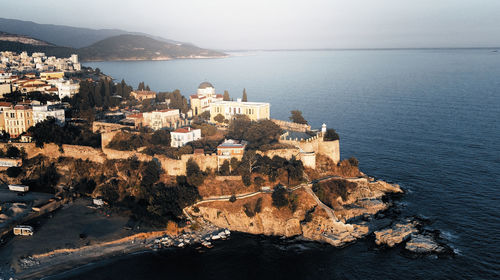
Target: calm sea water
{"points": [[426, 119]]}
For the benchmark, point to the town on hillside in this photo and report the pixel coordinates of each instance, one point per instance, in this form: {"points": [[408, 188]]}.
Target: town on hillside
{"points": [[144, 160]]}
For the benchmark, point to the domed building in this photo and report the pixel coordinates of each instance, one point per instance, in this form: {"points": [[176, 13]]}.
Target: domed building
{"points": [[200, 102]]}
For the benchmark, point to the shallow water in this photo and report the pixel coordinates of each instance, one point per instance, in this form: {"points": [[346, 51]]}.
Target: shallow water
{"points": [[426, 119]]}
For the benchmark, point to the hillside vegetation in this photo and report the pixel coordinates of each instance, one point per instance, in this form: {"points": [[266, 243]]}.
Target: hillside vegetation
{"points": [[137, 47]]}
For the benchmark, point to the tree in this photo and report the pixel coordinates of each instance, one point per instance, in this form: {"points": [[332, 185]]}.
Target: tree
{"points": [[161, 137], [279, 196], [219, 118], [224, 168], [226, 96], [262, 132], [238, 126], [141, 86], [14, 171], [258, 181], [244, 98], [297, 117], [13, 152], [331, 135], [151, 174], [205, 115], [194, 175], [232, 199], [353, 161]]}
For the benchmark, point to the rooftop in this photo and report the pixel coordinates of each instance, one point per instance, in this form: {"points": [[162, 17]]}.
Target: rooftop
{"points": [[205, 85]]}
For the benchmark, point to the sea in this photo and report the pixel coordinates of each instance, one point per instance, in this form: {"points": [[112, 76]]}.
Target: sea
{"points": [[427, 119]]}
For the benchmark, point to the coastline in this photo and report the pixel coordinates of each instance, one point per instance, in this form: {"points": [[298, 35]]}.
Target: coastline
{"points": [[154, 59]]}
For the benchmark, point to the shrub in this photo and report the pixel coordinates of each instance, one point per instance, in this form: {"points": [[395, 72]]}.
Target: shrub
{"points": [[224, 168], [232, 198], [258, 181], [331, 135], [194, 175], [279, 196], [14, 171], [219, 118], [258, 205], [353, 161], [247, 208], [13, 152], [297, 117], [247, 180]]}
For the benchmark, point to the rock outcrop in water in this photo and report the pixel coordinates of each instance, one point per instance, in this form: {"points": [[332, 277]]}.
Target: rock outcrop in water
{"points": [[396, 234]]}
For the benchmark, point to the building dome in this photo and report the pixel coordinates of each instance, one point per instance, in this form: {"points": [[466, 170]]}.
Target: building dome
{"points": [[205, 85]]}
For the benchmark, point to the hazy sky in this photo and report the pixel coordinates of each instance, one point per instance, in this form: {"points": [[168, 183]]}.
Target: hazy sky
{"points": [[271, 24]]}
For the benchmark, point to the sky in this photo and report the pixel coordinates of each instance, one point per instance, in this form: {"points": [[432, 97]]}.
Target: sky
{"points": [[285, 24]]}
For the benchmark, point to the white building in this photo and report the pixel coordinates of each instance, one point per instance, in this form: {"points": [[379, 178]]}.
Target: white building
{"points": [[182, 136], [67, 89], [42, 112], [161, 118]]}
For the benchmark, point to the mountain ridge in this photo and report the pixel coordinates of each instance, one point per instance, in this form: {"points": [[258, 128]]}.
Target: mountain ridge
{"points": [[64, 35]]}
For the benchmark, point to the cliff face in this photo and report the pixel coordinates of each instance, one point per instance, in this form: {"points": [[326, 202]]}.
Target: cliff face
{"points": [[309, 220]]}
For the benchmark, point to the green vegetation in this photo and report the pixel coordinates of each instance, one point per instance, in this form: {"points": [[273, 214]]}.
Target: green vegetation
{"points": [[297, 117], [125, 47], [219, 118], [194, 175], [244, 98], [257, 133], [17, 96], [280, 196], [48, 131], [331, 135], [226, 97], [44, 179], [353, 161], [14, 171], [128, 141], [328, 191], [177, 100]]}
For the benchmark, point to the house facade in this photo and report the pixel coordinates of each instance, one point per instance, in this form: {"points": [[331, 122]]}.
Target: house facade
{"points": [[143, 94], [184, 135], [161, 118], [229, 109]]}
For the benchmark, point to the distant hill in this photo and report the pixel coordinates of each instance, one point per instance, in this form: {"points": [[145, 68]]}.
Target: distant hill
{"points": [[20, 43], [121, 47], [62, 35], [138, 47]]}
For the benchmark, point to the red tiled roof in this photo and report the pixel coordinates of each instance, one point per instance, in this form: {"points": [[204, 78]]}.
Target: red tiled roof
{"points": [[219, 96], [166, 110], [21, 107], [183, 130], [135, 116], [5, 104]]}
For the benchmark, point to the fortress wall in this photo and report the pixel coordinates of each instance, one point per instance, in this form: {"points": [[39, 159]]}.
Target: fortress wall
{"points": [[53, 151], [330, 149], [292, 126], [284, 153]]}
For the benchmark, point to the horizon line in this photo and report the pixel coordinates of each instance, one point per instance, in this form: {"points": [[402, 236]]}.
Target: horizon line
{"points": [[363, 49]]}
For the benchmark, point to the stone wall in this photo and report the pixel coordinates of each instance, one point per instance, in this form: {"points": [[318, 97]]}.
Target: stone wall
{"points": [[316, 144], [292, 126], [53, 151]]}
